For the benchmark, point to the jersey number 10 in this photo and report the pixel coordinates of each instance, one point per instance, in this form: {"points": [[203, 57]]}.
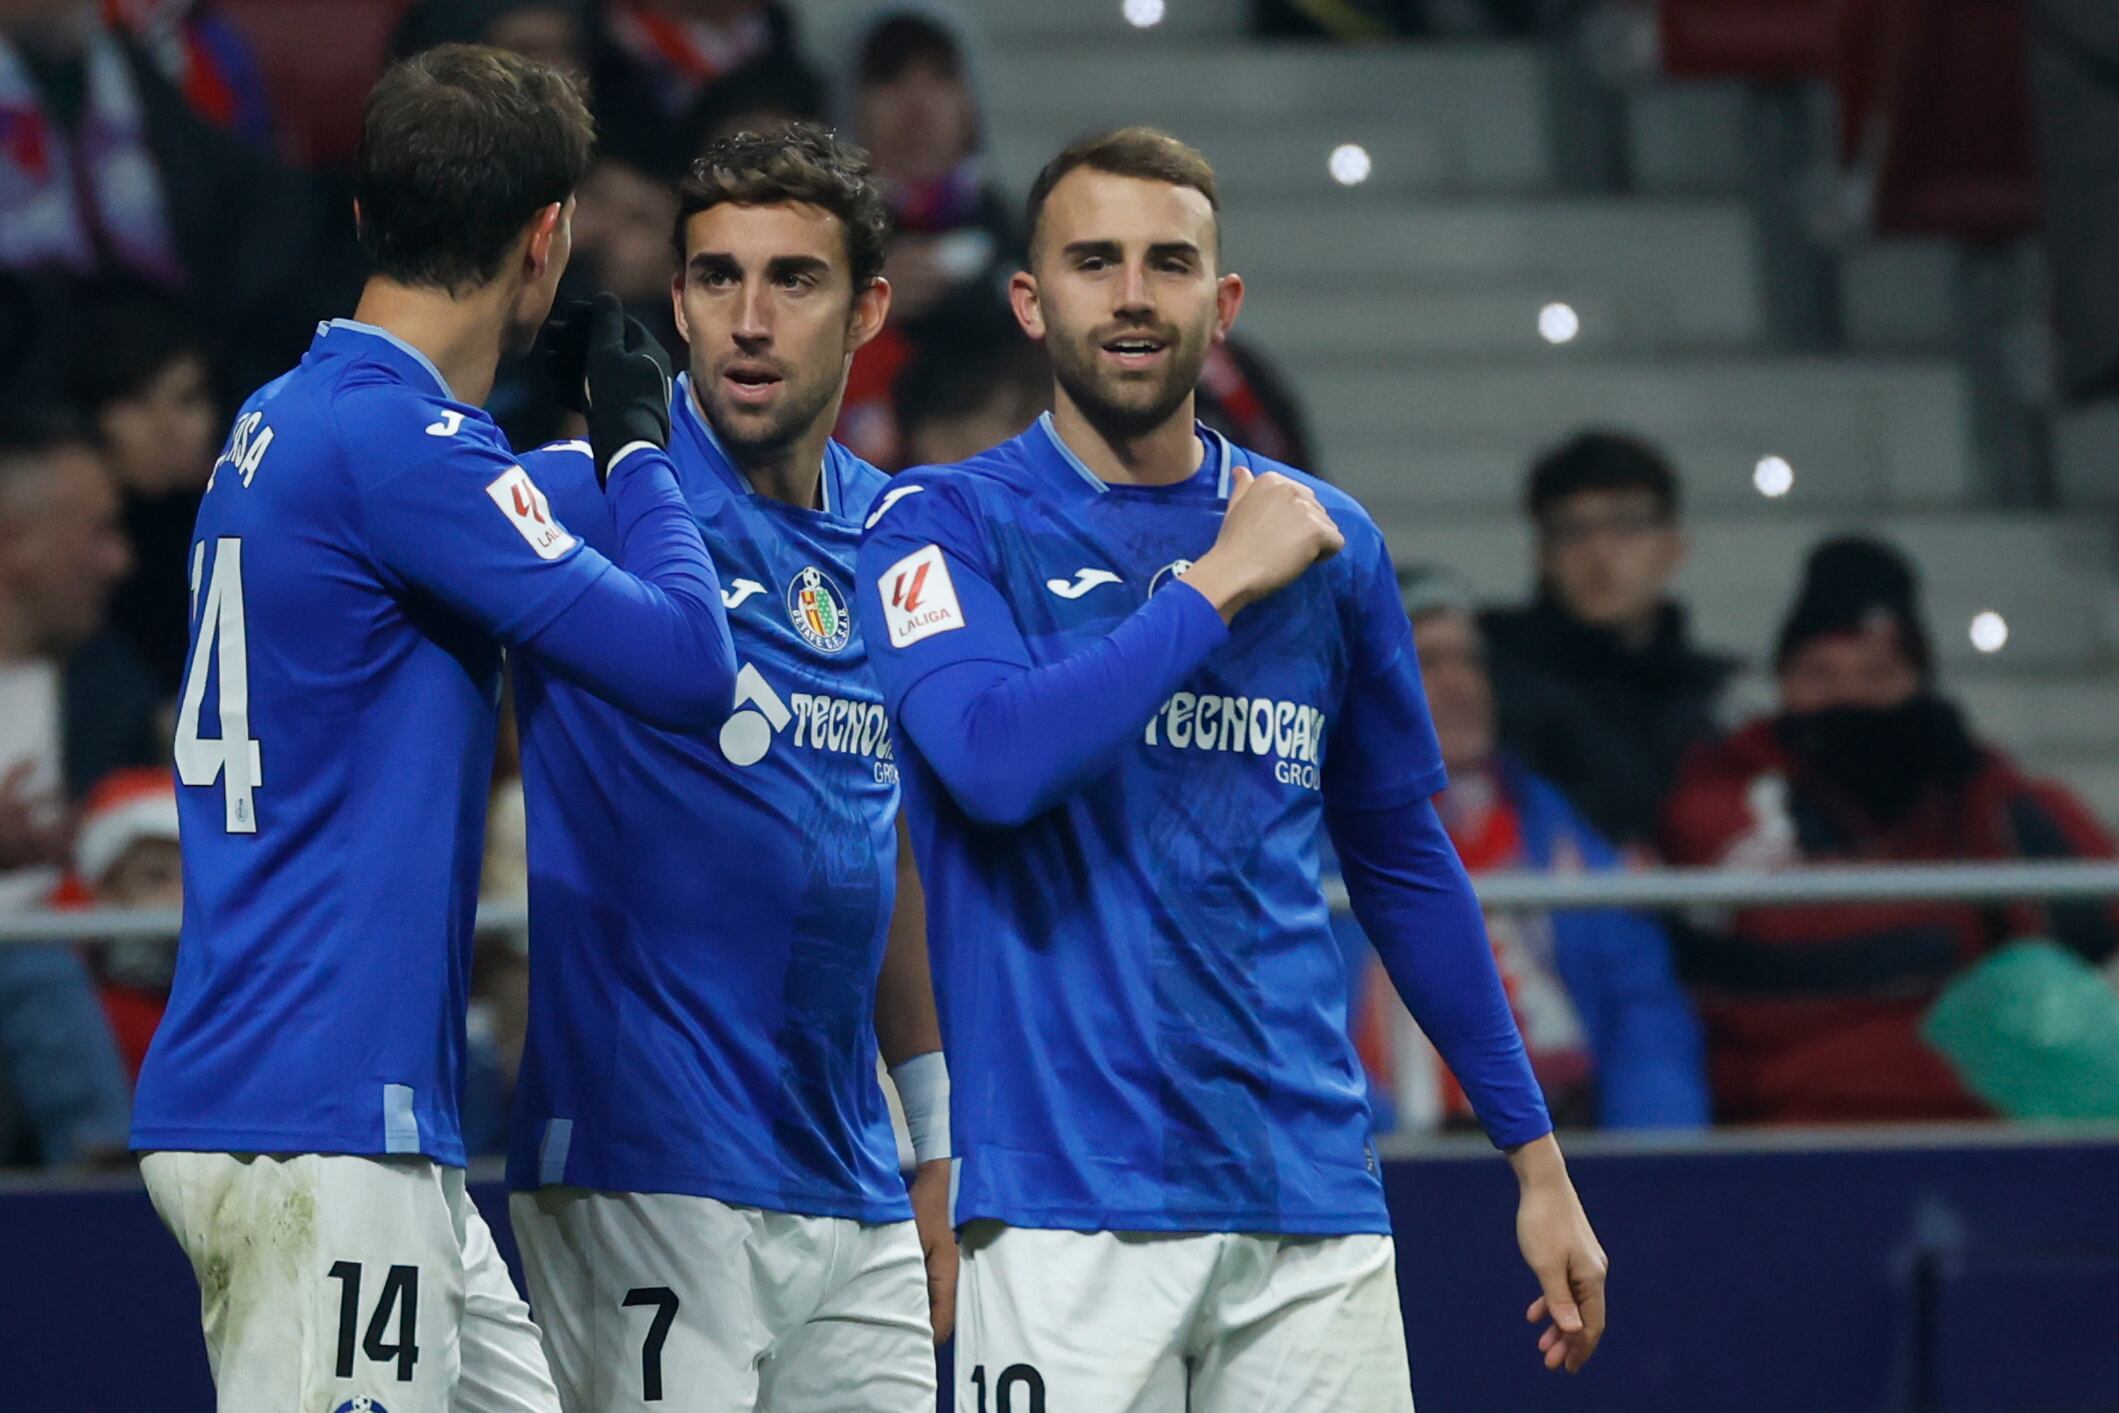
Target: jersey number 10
{"points": [[222, 643]]}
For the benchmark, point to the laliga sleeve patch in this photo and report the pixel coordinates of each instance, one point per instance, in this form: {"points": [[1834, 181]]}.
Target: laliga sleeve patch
{"points": [[530, 513], [919, 600]]}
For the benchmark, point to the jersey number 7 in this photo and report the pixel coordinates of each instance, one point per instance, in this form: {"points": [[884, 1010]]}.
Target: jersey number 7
{"points": [[222, 643]]}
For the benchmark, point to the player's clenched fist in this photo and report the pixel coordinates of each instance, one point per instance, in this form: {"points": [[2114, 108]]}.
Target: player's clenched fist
{"points": [[1273, 531]]}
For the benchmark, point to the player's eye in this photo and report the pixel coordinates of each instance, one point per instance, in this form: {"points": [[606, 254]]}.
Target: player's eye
{"points": [[796, 282], [1093, 263]]}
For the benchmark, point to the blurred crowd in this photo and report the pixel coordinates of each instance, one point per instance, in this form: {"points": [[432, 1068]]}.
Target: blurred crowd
{"points": [[173, 222]]}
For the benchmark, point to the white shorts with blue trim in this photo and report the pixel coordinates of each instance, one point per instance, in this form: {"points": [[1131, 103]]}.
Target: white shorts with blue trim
{"points": [[1157, 1322], [332, 1283], [654, 1301]]}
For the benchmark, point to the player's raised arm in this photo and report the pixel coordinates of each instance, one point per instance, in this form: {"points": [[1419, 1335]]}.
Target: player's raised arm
{"points": [[652, 636], [1010, 740], [469, 525], [1415, 901]]}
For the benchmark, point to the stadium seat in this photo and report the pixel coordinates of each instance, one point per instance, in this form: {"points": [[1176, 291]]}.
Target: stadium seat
{"points": [[319, 57]]}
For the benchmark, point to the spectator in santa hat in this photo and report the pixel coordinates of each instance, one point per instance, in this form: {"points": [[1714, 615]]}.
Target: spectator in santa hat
{"points": [[126, 856]]}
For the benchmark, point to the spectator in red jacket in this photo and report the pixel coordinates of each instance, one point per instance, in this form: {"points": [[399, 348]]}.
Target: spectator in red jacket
{"points": [[1813, 1012]]}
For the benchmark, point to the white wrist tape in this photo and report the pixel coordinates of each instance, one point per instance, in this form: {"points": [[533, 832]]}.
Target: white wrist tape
{"points": [[923, 1092], [627, 450]]}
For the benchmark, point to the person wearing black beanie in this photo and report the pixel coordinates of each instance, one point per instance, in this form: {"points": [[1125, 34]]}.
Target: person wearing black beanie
{"points": [[1813, 1013], [1852, 583], [1856, 672]]}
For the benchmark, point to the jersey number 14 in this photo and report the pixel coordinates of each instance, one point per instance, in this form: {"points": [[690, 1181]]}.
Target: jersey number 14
{"points": [[220, 647]]}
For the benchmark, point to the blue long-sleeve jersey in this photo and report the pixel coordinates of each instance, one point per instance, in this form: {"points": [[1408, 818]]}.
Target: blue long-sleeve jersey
{"points": [[366, 548], [1116, 804], [709, 908]]}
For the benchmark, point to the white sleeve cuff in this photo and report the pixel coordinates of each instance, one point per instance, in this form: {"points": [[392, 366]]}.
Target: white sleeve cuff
{"points": [[627, 450], [923, 1092]]}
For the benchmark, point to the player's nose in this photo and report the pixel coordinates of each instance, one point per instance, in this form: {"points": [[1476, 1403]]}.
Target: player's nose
{"points": [[753, 318], [1132, 291]]}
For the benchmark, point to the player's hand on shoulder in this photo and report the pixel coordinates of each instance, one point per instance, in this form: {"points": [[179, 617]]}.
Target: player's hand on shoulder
{"points": [[1275, 529], [608, 367]]}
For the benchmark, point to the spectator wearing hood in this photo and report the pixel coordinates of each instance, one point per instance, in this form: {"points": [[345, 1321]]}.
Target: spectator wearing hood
{"points": [[1813, 1012], [1600, 686], [1610, 1032]]}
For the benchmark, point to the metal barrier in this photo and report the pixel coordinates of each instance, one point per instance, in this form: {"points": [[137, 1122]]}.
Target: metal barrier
{"points": [[1651, 889]]}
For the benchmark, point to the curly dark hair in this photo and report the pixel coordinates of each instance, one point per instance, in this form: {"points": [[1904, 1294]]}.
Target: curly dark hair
{"points": [[800, 163]]}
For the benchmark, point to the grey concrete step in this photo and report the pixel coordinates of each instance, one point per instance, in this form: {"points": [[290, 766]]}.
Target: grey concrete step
{"points": [[2092, 778], [1076, 21], [1686, 137], [1410, 321], [2050, 577], [1900, 296], [1371, 275], [1456, 117], [2086, 454], [1459, 433], [2052, 716]]}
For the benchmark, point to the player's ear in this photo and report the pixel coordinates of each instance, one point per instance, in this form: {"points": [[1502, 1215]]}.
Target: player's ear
{"points": [[871, 307], [1228, 299], [544, 230], [1023, 298], [684, 329]]}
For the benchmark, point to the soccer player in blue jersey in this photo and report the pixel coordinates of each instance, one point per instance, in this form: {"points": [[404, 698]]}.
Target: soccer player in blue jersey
{"points": [[724, 922], [367, 547], [1134, 671]]}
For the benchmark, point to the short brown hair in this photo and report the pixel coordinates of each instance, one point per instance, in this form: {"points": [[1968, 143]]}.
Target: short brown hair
{"points": [[1147, 153], [800, 163], [460, 146]]}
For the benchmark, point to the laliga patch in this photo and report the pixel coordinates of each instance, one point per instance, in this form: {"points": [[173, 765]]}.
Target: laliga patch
{"points": [[919, 600], [530, 513]]}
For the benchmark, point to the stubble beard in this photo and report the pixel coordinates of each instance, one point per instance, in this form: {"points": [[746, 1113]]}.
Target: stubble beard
{"points": [[1116, 407], [751, 438]]}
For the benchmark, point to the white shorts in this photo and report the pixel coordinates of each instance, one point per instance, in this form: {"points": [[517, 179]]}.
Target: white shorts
{"points": [[1139, 1322], [330, 1282], [657, 1300]]}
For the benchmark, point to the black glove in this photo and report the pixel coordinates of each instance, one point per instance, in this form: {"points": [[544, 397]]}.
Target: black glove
{"points": [[608, 367]]}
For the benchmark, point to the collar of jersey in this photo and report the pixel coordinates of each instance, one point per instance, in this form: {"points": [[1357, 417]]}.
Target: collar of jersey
{"points": [[688, 415], [418, 359], [1218, 447]]}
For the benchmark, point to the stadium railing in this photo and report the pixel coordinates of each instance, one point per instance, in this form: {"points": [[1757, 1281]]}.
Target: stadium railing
{"points": [[1653, 889]]}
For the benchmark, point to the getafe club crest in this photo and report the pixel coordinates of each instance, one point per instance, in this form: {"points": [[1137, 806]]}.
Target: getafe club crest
{"points": [[818, 612], [1167, 575], [363, 1404]]}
